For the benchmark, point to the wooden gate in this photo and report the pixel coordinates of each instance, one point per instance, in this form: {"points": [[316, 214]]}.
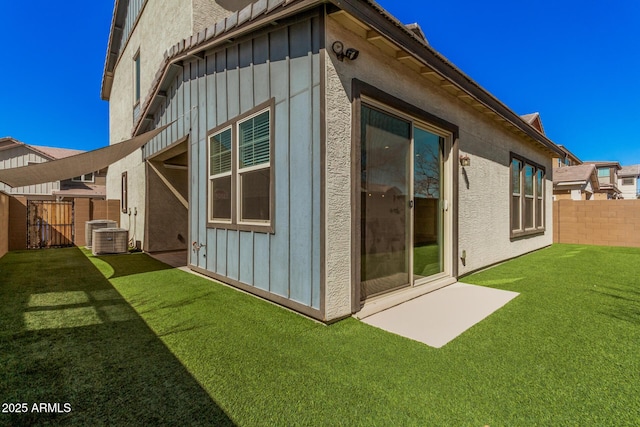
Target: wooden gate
{"points": [[49, 224]]}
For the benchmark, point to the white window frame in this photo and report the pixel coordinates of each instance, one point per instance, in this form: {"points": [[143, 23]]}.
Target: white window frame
{"points": [[628, 181], [82, 178]]}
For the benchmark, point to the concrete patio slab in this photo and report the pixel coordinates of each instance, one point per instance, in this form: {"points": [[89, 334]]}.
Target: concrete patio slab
{"points": [[438, 317]]}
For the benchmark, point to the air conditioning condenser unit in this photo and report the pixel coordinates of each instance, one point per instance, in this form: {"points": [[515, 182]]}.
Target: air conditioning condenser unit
{"points": [[110, 241]]}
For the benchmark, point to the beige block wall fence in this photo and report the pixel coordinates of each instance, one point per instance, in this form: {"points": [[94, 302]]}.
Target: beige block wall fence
{"points": [[13, 219], [4, 224], [597, 222]]}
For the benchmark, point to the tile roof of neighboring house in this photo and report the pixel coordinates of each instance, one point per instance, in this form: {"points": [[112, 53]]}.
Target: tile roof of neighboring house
{"points": [[633, 170], [89, 190], [601, 163], [52, 153], [57, 153], [534, 120], [264, 12], [573, 173]]}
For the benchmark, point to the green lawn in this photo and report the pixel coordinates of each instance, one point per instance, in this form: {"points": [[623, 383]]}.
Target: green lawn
{"points": [[126, 341]]}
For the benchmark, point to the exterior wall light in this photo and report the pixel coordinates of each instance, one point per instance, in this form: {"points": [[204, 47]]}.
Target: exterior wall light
{"points": [[338, 48], [465, 160]]}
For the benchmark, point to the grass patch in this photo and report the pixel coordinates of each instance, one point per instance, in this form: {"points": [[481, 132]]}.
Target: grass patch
{"points": [[565, 352], [68, 336]]}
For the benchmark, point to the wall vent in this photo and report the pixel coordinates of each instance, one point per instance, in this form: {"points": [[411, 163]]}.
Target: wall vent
{"points": [[109, 241], [96, 224]]}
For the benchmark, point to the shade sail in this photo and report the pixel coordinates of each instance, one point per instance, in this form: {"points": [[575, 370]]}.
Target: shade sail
{"points": [[77, 165]]}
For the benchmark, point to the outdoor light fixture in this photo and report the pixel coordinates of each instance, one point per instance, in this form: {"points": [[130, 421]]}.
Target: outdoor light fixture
{"points": [[465, 160], [338, 48]]}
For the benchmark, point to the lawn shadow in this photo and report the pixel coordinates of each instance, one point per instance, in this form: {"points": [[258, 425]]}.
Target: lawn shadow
{"points": [[624, 302], [69, 337], [121, 265]]}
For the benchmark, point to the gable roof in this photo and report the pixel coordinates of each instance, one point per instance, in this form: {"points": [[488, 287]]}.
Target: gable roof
{"points": [[56, 153], [52, 153], [570, 154], [632, 170], [573, 173], [534, 120], [415, 27], [604, 163], [75, 165]]}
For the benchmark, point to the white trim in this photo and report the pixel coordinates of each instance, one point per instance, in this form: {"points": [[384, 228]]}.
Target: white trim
{"points": [[82, 178]]}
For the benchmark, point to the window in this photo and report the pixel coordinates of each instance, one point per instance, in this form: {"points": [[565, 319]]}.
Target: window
{"points": [[240, 174], [253, 168], [627, 181], [136, 78], [604, 176], [220, 175], [527, 197], [84, 178], [124, 202]]}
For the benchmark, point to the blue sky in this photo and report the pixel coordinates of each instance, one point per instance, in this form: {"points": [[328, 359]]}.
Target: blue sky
{"points": [[575, 62]]}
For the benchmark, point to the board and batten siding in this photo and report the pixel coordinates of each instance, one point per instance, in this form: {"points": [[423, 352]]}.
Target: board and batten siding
{"points": [[22, 156], [133, 11], [282, 64]]}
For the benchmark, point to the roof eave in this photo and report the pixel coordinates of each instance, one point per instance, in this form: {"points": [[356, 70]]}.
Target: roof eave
{"points": [[374, 16], [385, 24], [567, 183], [115, 32], [212, 37]]}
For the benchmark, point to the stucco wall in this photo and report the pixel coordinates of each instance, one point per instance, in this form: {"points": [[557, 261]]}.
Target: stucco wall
{"points": [[629, 192], [338, 196], [133, 219], [483, 214], [161, 24], [208, 12]]}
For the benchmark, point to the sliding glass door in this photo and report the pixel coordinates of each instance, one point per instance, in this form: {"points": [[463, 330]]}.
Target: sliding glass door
{"points": [[385, 202], [427, 213], [401, 203]]}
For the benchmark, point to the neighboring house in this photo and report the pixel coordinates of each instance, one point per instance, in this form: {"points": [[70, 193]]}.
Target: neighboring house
{"points": [[628, 181], [607, 180], [15, 154], [569, 159], [534, 121], [578, 182], [321, 154]]}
